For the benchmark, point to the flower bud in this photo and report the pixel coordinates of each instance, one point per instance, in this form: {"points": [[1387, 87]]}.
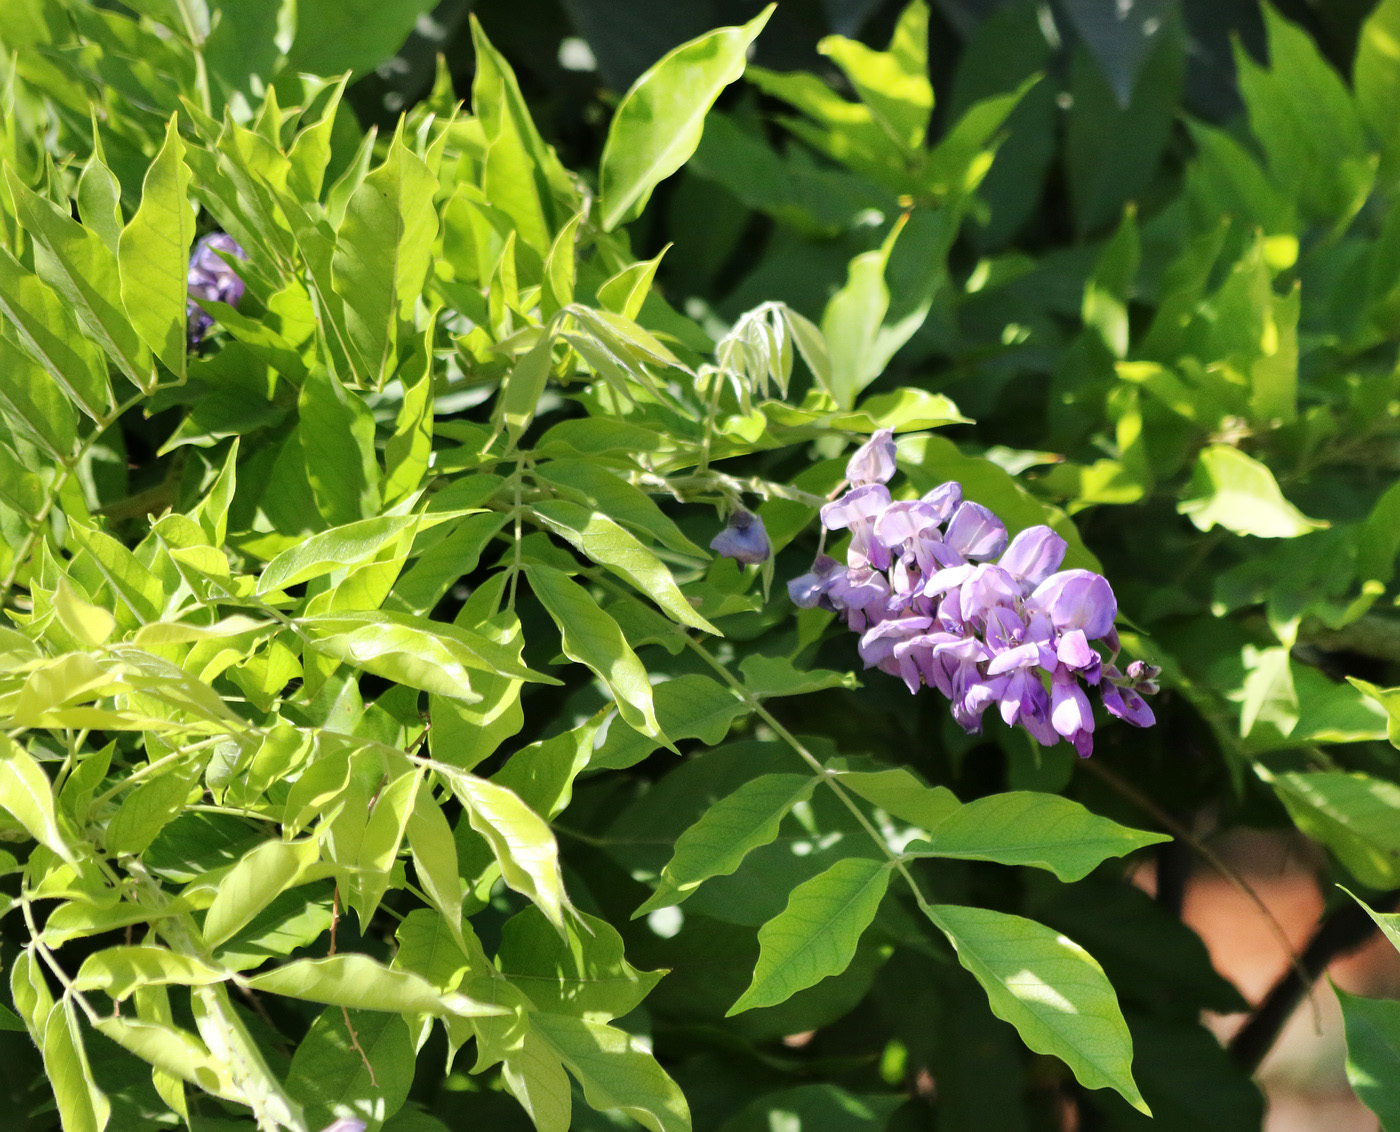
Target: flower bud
{"points": [[744, 539]]}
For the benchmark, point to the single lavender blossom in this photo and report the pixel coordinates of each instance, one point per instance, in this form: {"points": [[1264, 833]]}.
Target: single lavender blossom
{"points": [[212, 279], [744, 539], [345, 1124], [942, 600]]}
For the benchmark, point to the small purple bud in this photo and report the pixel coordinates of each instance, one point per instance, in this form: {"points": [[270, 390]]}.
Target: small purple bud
{"points": [[1126, 704], [1034, 555], [873, 461], [744, 539], [807, 590]]}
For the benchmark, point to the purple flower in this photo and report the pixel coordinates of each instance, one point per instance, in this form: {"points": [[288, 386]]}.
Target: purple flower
{"points": [[744, 539], [933, 608], [346, 1124], [212, 279]]}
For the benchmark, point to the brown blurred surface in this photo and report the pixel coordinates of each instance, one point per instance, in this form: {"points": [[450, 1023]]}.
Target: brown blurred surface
{"points": [[1304, 1075]]}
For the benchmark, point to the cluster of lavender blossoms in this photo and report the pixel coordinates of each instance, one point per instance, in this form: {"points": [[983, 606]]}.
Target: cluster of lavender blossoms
{"points": [[932, 606], [212, 279]]}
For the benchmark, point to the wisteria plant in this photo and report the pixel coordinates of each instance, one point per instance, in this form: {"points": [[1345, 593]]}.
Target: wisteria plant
{"points": [[463, 575]]}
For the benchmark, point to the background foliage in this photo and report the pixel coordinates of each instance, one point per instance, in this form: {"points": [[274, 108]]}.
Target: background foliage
{"points": [[381, 740]]}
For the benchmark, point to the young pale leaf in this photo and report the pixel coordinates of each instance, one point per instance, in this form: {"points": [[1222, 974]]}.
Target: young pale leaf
{"points": [[1026, 828], [81, 1104], [233, 1049], [81, 268], [535, 1076], [522, 842], [1049, 988], [894, 84], [1373, 1053], [27, 795], [121, 970], [816, 934], [660, 121], [435, 858], [1237, 492], [332, 550], [360, 983], [607, 543], [154, 252], [46, 327], [402, 649], [591, 637], [263, 874], [383, 250], [409, 450], [523, 387], [149, 808], [336, 433], [726, 833], [169, 1049], [383, 837], [617, 1071]]}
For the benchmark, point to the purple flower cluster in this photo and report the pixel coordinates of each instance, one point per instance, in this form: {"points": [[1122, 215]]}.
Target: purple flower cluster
{"points": [[940, 598], [212, 279]]}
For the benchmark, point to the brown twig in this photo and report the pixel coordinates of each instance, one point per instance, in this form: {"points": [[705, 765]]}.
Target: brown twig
{"points": [[344, 1010]]}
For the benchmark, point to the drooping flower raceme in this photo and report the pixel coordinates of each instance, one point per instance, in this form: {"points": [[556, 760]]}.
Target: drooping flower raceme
{"points": [[941, 599], [212, 279]]}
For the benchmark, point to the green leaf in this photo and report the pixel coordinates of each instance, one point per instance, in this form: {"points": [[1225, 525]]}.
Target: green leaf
{"points": [[263, 873], [360, 983], [1050, 989], [591, 483], [688, 707], [153, 254], [81, 1104], [1044, 831], [521, 841], [1388, 698], [149, 808], [83, 270], [1376, 75], [592, 638], [816, 934], [900, 793], [617, 1071], [435, 857], [604, 541], [121, 970], [585, 975], [332, 550], [727, 831], [336, 432], [350, 35], [1373, 1053], [45, 325], [1352, 814], [1237, 492], [524, 386], [383, 251], [403, 649], [27, 795], [169, 1049], [359, 1072], [659, 122], [894, 84]]}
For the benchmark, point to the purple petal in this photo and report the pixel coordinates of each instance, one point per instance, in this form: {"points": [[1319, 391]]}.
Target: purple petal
{"points": [[1126, 704], [744, 539], [1034, 555], [807, 590], [859, 503], [1070, 712], [944, 498], [974, 532], [904, 522], [1022, 656], [1077, 599], [873, 461]]}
